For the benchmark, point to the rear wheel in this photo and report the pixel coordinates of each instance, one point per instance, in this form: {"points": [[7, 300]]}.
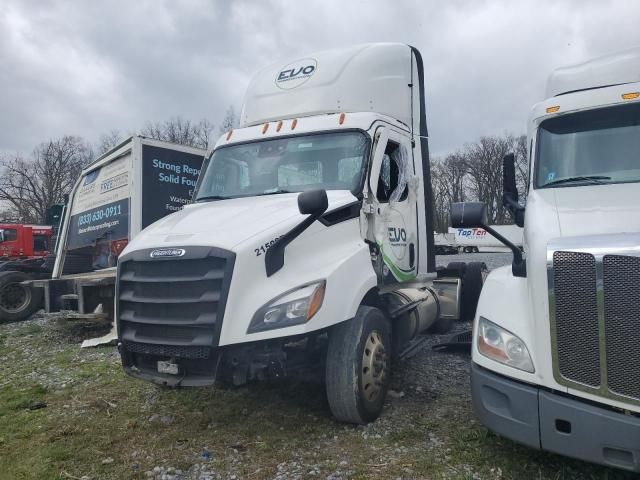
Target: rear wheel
{"points": [[17, 301], [358, 366]]}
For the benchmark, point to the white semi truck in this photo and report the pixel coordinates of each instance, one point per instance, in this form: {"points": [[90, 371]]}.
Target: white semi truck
{"points": [[556, 349], [310, 238]]}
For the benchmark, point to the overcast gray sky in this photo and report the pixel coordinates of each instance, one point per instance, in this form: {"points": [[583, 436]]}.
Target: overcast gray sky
{"points": [[84, 68]]}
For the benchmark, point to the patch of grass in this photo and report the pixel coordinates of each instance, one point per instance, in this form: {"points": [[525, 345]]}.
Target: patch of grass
{"points": [[244, 431], [30, 329]]}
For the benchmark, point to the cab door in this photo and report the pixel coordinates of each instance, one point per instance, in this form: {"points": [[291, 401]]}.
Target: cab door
{"points": [[391, 206]]}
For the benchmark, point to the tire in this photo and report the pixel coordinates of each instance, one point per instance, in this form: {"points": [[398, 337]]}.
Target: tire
{"points": [[358, 366], [17, 302], [472, 280]]}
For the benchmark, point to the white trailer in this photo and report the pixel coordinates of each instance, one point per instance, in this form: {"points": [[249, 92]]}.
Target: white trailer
{"points": [[556, 349], [124, 190], [309, 237], [474, 240]]}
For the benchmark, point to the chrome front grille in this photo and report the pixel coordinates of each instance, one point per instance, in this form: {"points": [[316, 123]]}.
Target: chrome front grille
{"points": [[594, 306], [574, 276], [622, 323]]}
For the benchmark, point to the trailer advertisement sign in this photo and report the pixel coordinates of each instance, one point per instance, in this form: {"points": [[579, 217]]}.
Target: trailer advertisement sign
{"points": [[101, 205], [169, 178]]}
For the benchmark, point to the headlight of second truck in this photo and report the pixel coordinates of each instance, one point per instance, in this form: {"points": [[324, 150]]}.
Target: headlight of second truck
{"points": [[292, 308], [503, 346]]}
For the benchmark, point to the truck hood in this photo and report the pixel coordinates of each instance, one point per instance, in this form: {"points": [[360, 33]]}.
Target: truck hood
{"points": [[596, 209], [226, 223]]}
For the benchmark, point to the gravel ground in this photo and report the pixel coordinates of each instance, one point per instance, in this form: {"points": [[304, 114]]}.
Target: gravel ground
{"points": [[80, 417]]}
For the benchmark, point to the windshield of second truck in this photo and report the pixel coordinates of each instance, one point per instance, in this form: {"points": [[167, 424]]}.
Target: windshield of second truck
{"points": [[332, 161], [590, 147]]}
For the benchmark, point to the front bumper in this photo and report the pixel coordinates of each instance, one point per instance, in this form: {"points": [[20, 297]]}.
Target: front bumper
{"points": [[547, 421]]}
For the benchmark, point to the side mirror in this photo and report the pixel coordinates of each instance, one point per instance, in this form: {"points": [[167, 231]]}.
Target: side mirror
{"points": [[1, 236], [510, 189], [53, 214], [474, 215], [313, 202], [468, 215]]}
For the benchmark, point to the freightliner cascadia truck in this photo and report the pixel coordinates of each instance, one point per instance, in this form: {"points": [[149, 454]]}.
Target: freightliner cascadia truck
{"points": [[556, 350], [309, 243]]}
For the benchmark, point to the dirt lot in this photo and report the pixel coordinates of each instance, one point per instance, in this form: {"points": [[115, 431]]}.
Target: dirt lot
{"points": [[67, 413]]}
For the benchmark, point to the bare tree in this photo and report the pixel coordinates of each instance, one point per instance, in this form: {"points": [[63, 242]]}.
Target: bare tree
{"points": [[484, 167], [181, 131], [109, 140], [30, 186], [230, 120]]}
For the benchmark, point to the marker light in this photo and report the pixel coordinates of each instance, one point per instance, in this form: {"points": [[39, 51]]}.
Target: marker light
{"points": [[292, 308], [553, 109], [294, 123], [229, 134], [498, 344], [279, 126], [264, 128], [341, 119], [630, 95]]}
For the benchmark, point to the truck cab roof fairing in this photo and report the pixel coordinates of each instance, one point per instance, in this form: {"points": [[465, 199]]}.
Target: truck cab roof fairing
{"points": [[361, 78]]}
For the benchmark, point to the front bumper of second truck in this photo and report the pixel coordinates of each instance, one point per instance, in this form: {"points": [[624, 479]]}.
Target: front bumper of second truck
{"points": [[543, 419]]}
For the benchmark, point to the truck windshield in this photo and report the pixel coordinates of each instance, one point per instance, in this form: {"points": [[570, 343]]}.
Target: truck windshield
{"points": [[591, 147], [333, 161]]}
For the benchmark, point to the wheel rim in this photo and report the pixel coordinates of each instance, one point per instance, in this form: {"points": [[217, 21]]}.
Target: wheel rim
{"points": [[14, 297], [374, 366]]}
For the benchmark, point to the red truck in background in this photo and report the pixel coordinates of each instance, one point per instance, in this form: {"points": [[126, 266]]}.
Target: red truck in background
{"points": [[19, 241], [26, 253]]}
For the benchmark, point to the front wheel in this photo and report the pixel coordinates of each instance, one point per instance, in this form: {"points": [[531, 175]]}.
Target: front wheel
{"points": [[17, 301], [358, 366]]}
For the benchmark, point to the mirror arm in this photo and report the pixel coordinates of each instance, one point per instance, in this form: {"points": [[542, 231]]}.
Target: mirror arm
{"points": [[519, 265], [514, 207]]}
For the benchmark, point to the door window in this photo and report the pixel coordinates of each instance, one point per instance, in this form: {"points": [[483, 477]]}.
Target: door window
{"points": [[392, 183], [40, 243], [10, 235]]}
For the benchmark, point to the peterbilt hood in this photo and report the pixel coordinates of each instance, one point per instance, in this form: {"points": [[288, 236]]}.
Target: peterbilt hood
{"points": [[589, 210], [226, 223]]}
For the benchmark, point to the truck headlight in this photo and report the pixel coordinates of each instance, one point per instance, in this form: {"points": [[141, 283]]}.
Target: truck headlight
{"points": [[503, 346], [292, 308]]}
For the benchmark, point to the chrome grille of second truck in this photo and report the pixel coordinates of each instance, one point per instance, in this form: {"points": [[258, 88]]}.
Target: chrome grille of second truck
{"points": [[172, 307], [577, 317], [595, 310], [622, 323]]}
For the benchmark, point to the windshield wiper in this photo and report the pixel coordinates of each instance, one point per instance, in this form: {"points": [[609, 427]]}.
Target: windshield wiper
{"points": [[274, 192], [593, 179], [211, 197]]}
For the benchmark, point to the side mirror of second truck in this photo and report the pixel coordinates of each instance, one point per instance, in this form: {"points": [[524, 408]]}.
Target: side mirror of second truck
{"points": [[510, 189], [468, 215]]}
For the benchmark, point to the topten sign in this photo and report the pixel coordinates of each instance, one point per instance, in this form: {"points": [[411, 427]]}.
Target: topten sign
{"points": [[296, 73]]}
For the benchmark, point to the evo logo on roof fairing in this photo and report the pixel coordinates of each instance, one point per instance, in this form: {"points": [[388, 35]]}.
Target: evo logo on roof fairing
{"points": [[167, 252], [296, 73]]}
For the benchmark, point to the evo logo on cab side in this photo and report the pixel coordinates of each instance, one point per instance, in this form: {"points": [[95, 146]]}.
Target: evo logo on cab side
{"points": [[296, 73], [167, 252]]}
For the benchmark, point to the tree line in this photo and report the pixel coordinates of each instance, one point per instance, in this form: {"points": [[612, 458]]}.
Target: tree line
{"points": [[31, 184], [474, 173]]}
